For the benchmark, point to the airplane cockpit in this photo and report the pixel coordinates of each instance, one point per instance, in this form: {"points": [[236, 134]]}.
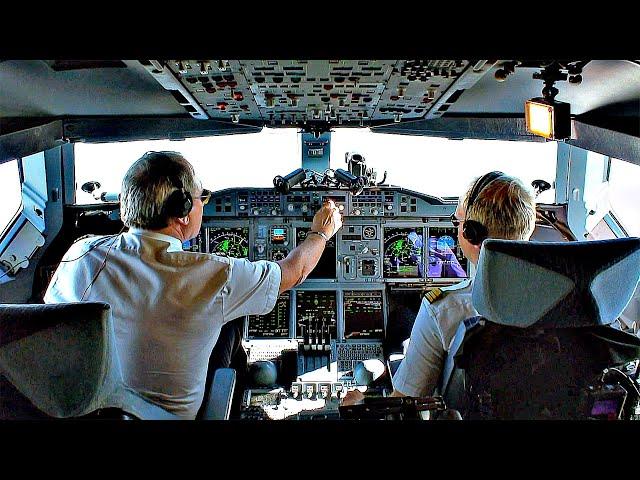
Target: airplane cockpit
{"points": [[346, 326]]}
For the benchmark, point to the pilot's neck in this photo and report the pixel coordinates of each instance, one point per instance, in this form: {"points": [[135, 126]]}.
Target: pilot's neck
{"points": [[173, 230]]}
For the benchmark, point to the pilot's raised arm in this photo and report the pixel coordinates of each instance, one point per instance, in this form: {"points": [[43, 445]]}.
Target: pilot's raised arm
{"points": [[303, 259]]}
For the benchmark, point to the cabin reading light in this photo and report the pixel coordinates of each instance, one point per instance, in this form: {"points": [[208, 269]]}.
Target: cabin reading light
{"points": [[548, 118]]}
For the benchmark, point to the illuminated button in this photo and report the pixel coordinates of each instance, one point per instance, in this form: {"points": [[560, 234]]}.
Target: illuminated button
{"points": [[222, 105], [237, 96]]}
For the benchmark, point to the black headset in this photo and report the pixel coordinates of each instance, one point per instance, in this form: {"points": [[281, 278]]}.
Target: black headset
{"points": [[179, 202], [473, 230]]}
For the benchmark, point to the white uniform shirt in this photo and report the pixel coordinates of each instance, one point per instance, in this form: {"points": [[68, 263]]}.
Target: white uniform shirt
{"points": [[167, 305], [431, 337]]}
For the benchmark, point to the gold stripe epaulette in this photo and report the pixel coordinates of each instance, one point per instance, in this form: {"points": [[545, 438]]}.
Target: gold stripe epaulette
{"points": [[433, 294]]}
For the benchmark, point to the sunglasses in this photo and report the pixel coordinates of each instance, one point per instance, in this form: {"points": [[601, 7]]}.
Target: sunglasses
{"points": [[206, 196]]}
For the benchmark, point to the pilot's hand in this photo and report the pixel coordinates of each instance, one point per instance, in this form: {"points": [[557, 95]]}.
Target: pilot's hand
{"points": [[352, 398], [327, 220]]}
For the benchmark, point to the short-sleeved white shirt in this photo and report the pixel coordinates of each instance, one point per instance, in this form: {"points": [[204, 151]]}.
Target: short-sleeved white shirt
{"points": [[431, 336], [167, 305]]}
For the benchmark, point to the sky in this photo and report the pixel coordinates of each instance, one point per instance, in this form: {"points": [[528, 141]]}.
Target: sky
{"points": [[435, 166]]}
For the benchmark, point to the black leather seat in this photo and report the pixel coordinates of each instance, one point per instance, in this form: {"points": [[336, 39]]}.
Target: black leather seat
{"points": [[545, 331]]}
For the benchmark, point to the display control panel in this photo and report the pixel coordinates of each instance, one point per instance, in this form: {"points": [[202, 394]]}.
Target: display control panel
{"points": [[391, 238]]}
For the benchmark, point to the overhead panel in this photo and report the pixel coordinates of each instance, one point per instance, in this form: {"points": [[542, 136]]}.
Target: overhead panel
{"points": [[320, 92]]}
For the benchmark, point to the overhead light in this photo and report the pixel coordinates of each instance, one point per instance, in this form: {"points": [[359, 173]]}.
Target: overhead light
{"points": [[548, 118]]}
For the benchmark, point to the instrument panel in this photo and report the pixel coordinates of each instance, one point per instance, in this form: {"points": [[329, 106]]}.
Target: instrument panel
{"points": [[391, 237]]}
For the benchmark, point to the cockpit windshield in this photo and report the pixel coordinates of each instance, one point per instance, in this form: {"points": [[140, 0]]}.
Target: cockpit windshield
{"points": [[435, 166]]}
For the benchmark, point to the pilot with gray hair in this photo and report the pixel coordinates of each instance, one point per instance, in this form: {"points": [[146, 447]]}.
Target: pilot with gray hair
{"points": [[169, 306]]}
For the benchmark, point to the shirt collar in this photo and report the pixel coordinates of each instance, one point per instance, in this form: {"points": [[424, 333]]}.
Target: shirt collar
{"points": [[174, 243]]}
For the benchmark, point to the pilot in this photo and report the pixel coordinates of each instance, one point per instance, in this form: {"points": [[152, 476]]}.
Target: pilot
{"points": [[168, 305], [495, 206]]}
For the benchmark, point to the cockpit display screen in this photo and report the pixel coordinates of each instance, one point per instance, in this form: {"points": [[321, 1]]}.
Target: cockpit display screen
{"points": [[316, 313], [403, 252], [274, 324], [278, 235], [195, 244], [326, 267], [229, 241], [446, 259], [363, 315]]}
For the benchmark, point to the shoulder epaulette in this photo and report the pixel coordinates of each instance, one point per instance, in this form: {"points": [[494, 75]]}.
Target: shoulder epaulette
{"points": [[434, 294]]}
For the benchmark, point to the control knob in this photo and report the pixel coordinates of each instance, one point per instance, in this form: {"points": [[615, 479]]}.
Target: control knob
{"points": [[290, 207], [260, 248], [356, 211], [374, 211], [304, 208], [255, 211], [389, 207], [274, 211]]}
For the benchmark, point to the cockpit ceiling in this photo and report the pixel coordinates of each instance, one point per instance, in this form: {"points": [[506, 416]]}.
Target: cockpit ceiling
{"points": [[303, 93]]}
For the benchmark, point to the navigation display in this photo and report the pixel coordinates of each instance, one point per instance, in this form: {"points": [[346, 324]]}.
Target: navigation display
{"points": [[363, 315], [446, 259], [316, 312], [403, 253], [326, 267], [274, 324], [229, 241]]}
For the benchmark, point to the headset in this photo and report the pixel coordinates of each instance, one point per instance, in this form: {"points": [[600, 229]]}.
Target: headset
{"points": [[179, 202], [473, 230]]}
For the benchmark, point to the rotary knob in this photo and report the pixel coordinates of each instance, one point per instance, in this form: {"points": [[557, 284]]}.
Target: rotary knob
{"points": [[304, 208], [290, 207], [260, 248], [274, 212], [356, 211], [389, 207], [374, 211], [255, 211]]}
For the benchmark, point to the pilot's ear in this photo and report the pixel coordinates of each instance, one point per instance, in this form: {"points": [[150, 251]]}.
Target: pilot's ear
{"points": [[183, 220]]}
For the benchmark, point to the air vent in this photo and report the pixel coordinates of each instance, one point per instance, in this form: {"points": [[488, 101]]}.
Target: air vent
{"points": [[455, 96], [63, 65]]}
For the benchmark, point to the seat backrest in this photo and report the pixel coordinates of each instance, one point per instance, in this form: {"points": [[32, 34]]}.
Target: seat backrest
{"points": [[544, 333], [62, 358]]}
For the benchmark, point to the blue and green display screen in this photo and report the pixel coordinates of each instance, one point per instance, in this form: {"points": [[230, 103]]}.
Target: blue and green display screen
{"points": [[229, 241]]}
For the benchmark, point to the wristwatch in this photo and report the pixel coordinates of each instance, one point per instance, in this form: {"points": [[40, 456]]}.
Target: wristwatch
{"points": [[323, 235]]}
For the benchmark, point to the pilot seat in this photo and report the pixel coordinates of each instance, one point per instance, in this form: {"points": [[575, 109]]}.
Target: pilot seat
{"points": [[545, 330], [59, 361]]}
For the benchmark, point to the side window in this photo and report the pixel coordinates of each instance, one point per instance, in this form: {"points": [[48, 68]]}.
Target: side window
{"points": [[10, 193], [624, 194]]}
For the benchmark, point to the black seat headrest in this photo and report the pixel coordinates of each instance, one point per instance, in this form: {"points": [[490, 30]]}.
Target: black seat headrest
{"points": [[556, 284]]}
